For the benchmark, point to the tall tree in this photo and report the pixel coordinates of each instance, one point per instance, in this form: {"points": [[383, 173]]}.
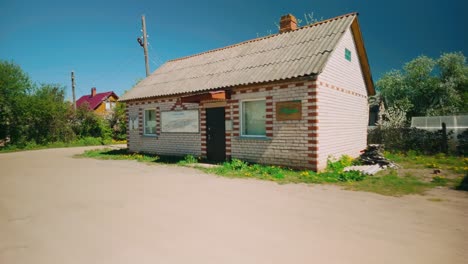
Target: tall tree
{"points": [[15, 86], [427, 86], [117, 122], [49, 115]]}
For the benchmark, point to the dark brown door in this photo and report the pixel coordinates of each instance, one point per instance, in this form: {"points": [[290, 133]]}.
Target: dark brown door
{"points": [[215, 134]]}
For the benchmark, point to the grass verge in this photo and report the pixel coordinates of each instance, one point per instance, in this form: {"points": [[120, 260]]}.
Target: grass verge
{"points": [[82, 142], [124, 154], [391, 184], [439, 161]]}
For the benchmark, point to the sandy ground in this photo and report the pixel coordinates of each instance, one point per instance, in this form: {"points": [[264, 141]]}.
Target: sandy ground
{"points": [[59, 209]]}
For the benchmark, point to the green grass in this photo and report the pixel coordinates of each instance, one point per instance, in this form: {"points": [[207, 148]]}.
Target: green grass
{"points": [[386, 183], [441, 161], [119, 154], [334, 173], [189, 159], [391, 185], [125, 154], [82, 142]]}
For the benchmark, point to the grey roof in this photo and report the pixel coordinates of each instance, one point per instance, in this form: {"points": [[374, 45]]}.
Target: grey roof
{"points": [[300, 52]]}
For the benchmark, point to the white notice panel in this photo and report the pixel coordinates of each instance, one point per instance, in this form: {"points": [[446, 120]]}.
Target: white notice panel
{"points": [[180, 121]]}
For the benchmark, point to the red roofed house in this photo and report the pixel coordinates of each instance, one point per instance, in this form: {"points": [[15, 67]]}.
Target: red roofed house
{"points": [[100, 103]]}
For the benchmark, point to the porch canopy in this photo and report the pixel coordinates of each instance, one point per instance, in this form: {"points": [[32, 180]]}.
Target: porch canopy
{"points": [[208, 96]]}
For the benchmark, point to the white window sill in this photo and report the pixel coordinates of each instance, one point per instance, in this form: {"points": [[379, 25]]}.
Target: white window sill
{"points": [[253, 137]]}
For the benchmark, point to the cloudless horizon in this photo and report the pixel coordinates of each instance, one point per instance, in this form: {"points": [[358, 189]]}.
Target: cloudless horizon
{"points": [[97, 39]]}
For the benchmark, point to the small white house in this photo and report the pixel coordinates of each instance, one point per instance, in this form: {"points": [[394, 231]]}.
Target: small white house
{"points": [[290, 99]]}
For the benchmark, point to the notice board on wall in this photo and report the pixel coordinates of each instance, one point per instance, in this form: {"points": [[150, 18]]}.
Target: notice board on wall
{"points": [[289, 110], [186, 121]]}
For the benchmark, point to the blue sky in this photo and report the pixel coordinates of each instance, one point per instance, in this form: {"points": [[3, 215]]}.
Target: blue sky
{"points": [[97, 39]]}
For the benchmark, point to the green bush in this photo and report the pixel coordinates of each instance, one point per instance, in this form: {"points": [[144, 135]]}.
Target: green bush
{"points": [[351, 176], [408, 139], [89, 141], [236, 164], [188, 159], [462, 144], [86, 123], [339, 165], [463, 185]]}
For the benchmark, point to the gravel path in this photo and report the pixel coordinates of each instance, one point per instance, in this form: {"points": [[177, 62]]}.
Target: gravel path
{"points": [[58, 209]]}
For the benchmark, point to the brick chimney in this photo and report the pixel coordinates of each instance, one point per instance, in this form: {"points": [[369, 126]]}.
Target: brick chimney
{"points": [[93, 91], [287, 23]]}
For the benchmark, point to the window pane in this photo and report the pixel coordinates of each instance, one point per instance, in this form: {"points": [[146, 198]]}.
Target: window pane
{"points": [[253, 119], [150, 122], [348, 54]]}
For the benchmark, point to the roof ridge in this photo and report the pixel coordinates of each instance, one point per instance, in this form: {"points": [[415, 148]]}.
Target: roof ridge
{"points": [[245, 68], [265, 37], [245, 55]]}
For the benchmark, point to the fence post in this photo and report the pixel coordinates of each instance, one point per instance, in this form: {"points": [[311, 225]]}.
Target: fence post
{"points": [[444, 138]]}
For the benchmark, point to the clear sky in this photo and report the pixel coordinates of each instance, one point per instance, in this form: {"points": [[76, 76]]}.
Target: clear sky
{"points": [[97, 39]]}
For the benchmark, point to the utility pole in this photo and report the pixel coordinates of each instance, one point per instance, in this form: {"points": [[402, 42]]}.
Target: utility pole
{"points": [[73, 89], [144, 44]]}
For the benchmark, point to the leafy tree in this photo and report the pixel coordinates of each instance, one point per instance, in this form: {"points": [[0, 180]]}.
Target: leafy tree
{"points": [[15, 86], [86, 123], [426, 86], [39, 114], [117, 122], [49, 115]]}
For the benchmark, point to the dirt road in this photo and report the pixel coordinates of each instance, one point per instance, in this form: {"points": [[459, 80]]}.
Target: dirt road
{"points": [[59, 209]]}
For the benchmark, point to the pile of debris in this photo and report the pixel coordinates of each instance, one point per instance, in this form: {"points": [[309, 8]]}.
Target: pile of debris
{"points": [[373, 155]]}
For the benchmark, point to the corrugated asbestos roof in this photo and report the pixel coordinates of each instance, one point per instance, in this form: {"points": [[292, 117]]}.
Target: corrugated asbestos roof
{"points": [[282, 56]]}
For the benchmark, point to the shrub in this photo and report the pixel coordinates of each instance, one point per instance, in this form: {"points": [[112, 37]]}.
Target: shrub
{"points": [[339, 165], [334, 171], [89, 141], [408, 139], [351, 176], [189, 159], [463, 185], [462, 146], [236, 164]]}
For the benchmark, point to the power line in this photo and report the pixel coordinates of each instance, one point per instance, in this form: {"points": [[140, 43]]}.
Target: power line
{"points": [[117, 70], [155, 57]]}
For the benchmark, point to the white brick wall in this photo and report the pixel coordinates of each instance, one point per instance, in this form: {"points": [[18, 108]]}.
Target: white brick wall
{"points": [[287, 141], [334, 119], [342, 104], [165, 143]]}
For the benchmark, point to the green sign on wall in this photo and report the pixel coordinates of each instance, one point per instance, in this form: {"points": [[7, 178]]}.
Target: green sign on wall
{"points": [[289, 110]]}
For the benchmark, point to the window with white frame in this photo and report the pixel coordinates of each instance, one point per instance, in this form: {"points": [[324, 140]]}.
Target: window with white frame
{"points": [[133, 123], [110, 105], [150, 122], [253, 118]]}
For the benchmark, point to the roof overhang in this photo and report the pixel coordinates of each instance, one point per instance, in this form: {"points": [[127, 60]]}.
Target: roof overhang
{"points": [[361, 50]]}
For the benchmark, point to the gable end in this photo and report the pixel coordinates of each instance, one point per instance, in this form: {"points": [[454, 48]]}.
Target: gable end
{"points": [[361, 52]]}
